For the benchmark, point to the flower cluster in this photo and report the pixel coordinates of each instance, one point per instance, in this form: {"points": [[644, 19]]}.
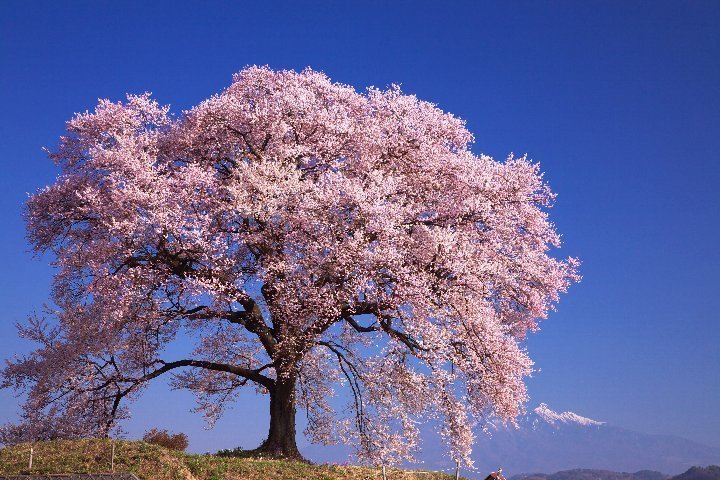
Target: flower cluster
{"points": [[306, 235]]}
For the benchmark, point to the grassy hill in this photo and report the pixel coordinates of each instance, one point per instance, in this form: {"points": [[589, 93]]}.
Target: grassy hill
{"points": [[150, 462]]}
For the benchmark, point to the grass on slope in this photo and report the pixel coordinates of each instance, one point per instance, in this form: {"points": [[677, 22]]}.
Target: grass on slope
{"points": [[151, 462]]}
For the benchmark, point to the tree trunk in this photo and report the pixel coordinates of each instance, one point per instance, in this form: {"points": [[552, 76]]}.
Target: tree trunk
{"points": [[280, 442]]}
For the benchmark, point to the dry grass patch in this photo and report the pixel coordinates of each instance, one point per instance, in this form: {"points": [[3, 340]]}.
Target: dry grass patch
{"points": [[94, 456], [152, 462]]}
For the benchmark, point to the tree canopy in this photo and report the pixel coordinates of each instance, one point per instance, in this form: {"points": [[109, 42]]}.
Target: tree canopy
{"points": [[308, 238]]}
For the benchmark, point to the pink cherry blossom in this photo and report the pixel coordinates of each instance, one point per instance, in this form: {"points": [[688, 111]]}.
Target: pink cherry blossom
{"points": [[311, 240]]}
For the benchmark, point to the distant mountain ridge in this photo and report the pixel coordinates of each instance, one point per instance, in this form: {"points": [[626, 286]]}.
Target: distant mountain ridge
{"points": [[547, 440], [590, 474], [699, 473], [694, 473]]}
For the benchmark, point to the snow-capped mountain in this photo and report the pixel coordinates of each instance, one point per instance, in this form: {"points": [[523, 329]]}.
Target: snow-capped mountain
{"points": [[544, 413], [550, 441]]}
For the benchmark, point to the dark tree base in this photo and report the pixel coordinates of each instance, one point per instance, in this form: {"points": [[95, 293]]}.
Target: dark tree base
{"points": [[281, 437], [264, 451], [279, 450]]}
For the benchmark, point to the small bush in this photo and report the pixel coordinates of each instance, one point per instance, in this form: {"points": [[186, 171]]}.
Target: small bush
{"points": [[177, 441]]}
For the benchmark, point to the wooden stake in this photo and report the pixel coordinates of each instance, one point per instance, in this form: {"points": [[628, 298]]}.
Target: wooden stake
{"points": [[31, 455], [112, 458], [384, 476]]}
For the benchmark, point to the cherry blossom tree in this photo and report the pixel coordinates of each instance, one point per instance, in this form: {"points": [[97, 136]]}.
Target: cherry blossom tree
{"points": [[308, 238]]}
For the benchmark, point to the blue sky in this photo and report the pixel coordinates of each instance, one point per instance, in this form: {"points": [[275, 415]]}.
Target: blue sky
{"points": [[619, 101]]}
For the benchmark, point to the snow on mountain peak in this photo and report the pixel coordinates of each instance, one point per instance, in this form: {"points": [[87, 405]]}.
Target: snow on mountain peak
{"points": [[552, 417]]}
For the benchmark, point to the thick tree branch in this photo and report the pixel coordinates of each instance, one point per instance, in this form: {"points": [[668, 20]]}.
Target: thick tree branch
{"points": [[359, 328], [250, 374], [385, 325], [252, 319]]}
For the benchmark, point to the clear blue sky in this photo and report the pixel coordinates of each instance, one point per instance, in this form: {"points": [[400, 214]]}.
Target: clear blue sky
{"points": [[619, 101]]}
